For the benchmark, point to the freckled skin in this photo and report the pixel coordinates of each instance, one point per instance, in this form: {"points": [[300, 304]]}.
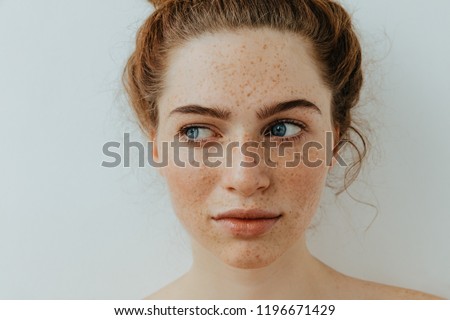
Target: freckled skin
{"points": [[242, 77], [241, 72]]}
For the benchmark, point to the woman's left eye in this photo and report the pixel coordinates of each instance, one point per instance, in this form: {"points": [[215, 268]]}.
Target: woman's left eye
{"points": [[284, 129]]}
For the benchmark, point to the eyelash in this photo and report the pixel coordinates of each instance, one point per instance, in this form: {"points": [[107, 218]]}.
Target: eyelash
{"points": [[182, 132], [298, 136]]}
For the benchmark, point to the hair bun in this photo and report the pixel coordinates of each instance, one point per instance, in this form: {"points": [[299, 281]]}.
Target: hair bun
{"points": [[157, 3]]}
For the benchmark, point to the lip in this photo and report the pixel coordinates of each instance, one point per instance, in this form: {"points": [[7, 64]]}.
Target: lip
{"points": [[247, 223]]}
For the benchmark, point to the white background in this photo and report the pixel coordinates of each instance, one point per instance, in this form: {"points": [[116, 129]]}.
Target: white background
{"points": [[71, 229]]}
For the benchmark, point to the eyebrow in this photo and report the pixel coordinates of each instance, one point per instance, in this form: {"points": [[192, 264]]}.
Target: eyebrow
{"points": [[264, 113], [215, 112], [268, 111]]}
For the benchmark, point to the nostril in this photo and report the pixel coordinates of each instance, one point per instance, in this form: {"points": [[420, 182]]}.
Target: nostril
{"points": [[246, 184]]}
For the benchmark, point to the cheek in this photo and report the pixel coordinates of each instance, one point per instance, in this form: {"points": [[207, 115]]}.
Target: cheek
{"points": [[299, 191], [300, 181], [188, 188], [303, 186]]}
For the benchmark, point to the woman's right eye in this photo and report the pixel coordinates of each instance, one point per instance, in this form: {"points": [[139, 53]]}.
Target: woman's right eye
{"points": [[196, 133]]}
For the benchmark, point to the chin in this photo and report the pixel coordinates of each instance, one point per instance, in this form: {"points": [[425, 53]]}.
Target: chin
{"points": [[249, 257]]}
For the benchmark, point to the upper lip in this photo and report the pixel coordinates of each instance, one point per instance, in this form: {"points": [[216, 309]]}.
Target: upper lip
{"points": [[247, 214]]}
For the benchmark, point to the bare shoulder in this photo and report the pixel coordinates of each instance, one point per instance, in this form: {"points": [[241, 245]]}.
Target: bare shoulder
{"points": [[166, 293], [158, 295], [170, 292], [376, 291]]}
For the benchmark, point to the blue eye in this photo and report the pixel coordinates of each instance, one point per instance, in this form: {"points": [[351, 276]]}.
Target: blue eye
{"points": [[283, 129], [192, 133], [278, 130], [196, 133]]}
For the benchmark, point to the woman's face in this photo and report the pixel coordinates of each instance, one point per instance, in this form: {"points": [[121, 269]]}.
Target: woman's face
{"points": [[229, 91]]}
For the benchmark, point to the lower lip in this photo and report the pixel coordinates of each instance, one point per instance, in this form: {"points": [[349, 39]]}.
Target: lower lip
{"points": [[247, 227]]}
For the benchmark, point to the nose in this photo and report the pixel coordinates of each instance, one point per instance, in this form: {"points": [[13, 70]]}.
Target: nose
{"points": [[245, 171]]}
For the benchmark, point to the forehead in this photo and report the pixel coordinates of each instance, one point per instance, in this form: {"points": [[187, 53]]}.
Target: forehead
{"points": [[242, 68]]}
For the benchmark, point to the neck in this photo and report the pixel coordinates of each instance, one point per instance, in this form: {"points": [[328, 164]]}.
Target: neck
{"points": [[294, 275]]}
